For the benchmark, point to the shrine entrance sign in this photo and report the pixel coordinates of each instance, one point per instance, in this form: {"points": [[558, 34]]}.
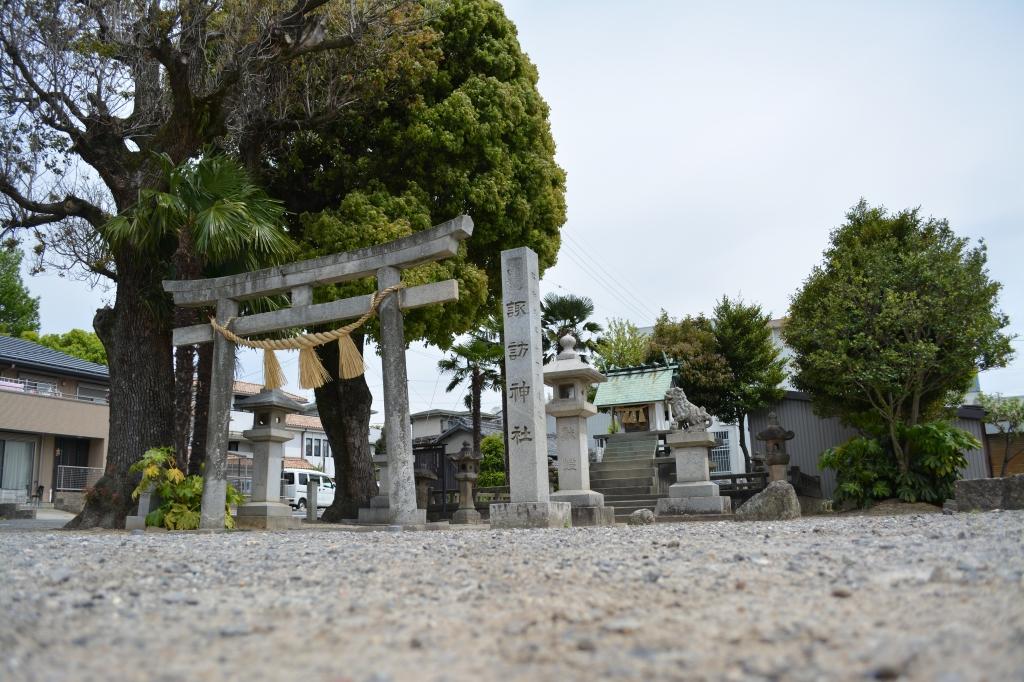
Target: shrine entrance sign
{"points": [[525, 420], [383, 261]]}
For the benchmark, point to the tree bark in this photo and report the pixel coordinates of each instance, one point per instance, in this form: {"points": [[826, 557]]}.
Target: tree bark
{"points": [[743, 441], [138, 344], [344, 406], [197, 451], [184, 390]]}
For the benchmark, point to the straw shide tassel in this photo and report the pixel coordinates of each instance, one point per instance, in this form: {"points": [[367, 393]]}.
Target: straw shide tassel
{"points": [[273, 375], [350, 362], [312, 373]]}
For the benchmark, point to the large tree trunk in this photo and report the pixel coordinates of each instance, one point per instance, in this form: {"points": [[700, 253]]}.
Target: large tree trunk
{"points": [[197, 451], [138, 344], [344, 406]]}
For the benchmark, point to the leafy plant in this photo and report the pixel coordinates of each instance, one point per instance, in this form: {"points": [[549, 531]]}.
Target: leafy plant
{"points": [[866, 469], [181, 496], [492, 466]]}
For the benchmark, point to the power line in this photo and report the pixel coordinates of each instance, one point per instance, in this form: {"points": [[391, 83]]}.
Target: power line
{"points": [[619, 279], [631, 308]]}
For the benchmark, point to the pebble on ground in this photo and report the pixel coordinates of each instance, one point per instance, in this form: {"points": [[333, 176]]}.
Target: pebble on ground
{"points": [[921, 597]]}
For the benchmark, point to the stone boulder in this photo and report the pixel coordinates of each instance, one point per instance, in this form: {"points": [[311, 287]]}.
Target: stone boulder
{"points": [[979, 494], [777, 502], [641, 517], [1013, 492]]}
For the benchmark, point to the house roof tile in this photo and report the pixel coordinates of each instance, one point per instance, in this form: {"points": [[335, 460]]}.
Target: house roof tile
{"points": [[35, 356]]}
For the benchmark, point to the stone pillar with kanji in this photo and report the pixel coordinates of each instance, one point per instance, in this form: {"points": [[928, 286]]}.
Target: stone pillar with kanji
{"points": [[570, 379], [525, 423]]}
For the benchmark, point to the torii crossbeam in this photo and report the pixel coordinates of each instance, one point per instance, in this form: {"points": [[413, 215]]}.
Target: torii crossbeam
{"points": [[385, 262]]}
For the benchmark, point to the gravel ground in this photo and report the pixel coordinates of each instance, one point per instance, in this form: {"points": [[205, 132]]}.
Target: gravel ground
{"points": [[923, 597]]}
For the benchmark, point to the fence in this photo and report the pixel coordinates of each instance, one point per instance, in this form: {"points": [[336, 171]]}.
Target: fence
{"points": [[49, 390], [77, 478]]}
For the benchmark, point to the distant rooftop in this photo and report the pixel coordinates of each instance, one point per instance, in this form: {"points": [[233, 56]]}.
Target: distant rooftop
{"points": [[635, 385], [31, 355]]}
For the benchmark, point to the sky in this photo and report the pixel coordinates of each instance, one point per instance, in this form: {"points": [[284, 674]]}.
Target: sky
{"points": [[711, 147]]}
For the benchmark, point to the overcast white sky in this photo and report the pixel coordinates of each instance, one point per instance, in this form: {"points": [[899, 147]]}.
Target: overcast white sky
{"points": [[711, 147]]}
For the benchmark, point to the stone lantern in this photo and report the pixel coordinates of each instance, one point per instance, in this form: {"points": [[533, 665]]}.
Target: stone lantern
{"points": [[571, 379], [467, 468], [268, 436], [776, 458]]}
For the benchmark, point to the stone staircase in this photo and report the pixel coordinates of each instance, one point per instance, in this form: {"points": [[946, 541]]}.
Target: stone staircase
{"points": [[627, 476]]}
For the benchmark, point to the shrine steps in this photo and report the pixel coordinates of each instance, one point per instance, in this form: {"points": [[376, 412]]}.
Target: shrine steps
{"points": [[626, 474]]}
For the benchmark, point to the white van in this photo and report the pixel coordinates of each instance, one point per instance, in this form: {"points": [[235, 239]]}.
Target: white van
{"points": [[295, 482]]}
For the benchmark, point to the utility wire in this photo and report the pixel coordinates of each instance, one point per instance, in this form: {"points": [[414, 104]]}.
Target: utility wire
{"points": [[615, 278]]}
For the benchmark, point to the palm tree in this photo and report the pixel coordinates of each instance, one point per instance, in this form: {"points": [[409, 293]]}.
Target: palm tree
{"points": [[475, 360], [216, 221], [561, 315]]}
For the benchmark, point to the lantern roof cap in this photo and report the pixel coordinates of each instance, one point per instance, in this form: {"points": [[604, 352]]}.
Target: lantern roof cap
{"points": [[773, 431], [275, 399]]}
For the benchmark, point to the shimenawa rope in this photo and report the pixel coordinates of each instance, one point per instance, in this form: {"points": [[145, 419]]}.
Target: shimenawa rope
{"points": [[312, 373]]}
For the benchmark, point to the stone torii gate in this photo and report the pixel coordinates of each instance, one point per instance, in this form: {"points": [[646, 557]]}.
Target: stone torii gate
{"points": [[385, 262]]}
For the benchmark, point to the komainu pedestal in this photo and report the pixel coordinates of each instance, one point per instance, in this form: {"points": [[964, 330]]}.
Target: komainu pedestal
{"points": [[693, 492]]}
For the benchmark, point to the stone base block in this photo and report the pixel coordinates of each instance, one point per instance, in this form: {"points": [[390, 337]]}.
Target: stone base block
{"points": [[271, 515], [579, 498], [531, 515], [466, 516], [676, 506], [696, 489], [690, 439], [386, 515], [135, 523], [593, 516]]}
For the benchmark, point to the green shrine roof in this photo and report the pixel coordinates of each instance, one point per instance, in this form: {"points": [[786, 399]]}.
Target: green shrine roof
{"points": [[634, 385]]}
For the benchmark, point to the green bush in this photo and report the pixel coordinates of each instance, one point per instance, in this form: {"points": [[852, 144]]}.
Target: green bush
{"points": [[181, 496], [866, 467], [492, 466]]}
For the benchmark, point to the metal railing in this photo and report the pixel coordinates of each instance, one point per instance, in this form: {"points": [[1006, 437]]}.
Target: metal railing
{"points": [[77, 478], [43, 388]]}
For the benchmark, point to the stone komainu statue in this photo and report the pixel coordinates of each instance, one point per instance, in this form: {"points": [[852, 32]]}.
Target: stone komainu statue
{"points": [[689, 417]]}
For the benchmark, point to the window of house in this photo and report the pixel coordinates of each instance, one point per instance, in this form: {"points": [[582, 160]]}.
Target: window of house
{"points": [[93, 392], [327, 449], [309, 447], [720, 454], [316, 447], [233, 445]]}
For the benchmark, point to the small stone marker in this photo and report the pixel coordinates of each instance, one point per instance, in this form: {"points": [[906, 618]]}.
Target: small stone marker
{"points": [[312, 490], [531, 505]]}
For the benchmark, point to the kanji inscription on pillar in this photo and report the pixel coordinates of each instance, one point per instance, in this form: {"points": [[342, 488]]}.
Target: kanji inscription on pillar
{"points": [[525, 420]]}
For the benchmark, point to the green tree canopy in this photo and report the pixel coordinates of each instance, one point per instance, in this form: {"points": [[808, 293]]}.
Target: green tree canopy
{"points": [[621, 345], [77, 343], [19, 311], [690, 342], [901, 313], [462, 128], [744, 340], [568, 314]]}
